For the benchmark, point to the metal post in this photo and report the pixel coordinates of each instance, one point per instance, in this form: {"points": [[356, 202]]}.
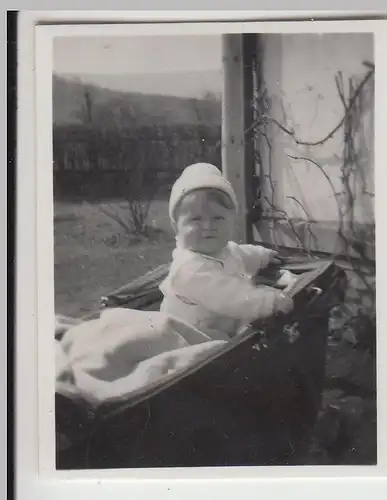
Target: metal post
{"points": [[233, 122], [249, 51]]}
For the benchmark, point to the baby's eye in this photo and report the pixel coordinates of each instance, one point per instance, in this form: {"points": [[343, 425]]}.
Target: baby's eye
{"points": [[196, 219], [218, 217]]}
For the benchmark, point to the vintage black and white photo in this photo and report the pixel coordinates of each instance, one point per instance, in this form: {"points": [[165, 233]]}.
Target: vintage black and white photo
{"points": [[214, 249]]}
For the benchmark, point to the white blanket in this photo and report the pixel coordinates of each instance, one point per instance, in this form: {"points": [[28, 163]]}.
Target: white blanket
{"points": [[125, 350]]}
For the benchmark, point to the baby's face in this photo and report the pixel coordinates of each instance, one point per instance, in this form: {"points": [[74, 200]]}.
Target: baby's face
{"points": [[204, 225]]}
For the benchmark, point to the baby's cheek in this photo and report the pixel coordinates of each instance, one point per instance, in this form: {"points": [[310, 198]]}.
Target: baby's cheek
{"points": [[192, 231], [191, 234], [226, 232]]}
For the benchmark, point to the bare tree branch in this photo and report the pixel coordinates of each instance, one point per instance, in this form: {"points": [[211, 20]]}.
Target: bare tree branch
{"points": [[338, 126], [314, 237]]}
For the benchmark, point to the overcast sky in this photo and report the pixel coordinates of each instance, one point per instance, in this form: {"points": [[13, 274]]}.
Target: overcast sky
{"points": [[137, 54], [141, 55]]}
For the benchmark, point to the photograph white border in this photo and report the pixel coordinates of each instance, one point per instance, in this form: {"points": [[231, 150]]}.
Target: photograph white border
{"points": [[35, 352]]}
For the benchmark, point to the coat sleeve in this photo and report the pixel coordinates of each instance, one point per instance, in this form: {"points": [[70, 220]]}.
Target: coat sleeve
{"points": [[254, 257], [205, 283]]}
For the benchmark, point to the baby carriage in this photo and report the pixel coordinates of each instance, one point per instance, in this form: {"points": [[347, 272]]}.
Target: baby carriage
{"points": [[252, 403]]}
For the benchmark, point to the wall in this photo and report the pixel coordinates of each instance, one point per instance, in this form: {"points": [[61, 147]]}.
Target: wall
{"points": [[299, 76]]}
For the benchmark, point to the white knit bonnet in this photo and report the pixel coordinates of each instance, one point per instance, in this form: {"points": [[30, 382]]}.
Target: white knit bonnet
{"points": [[199, 176]]}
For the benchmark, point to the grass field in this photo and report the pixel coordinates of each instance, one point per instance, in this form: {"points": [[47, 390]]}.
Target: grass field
{"points": [[94, 256]]}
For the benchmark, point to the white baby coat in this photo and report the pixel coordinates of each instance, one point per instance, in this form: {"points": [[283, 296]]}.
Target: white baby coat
{"points": [[216, 295]]}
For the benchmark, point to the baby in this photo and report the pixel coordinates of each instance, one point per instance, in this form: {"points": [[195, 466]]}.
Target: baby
{"points": [[209, 283]]}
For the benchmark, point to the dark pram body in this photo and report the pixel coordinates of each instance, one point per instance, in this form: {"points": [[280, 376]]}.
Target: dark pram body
{"points": [[252, 405]]}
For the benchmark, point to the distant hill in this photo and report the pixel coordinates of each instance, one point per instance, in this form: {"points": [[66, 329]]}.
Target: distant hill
{"points": [[193, 83], [128, 108]]}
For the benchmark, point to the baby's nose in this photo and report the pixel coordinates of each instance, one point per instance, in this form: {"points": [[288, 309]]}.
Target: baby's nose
{"points": [[207, 223]]}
